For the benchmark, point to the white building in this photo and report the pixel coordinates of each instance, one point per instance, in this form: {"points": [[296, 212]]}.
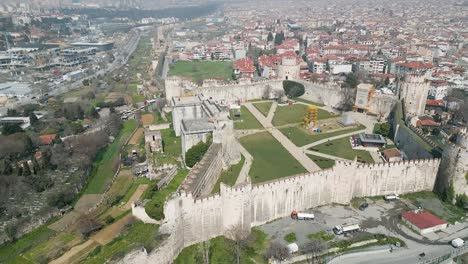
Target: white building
{"points": [[438, 90]]}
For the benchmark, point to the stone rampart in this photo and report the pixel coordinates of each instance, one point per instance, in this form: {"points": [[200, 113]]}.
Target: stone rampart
{"points": [[191, 220]]}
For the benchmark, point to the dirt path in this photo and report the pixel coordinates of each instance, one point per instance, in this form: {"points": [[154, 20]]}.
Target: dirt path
{"points": [[70, 255], [147, 119], [136, 137], [136, 195], [112, 231]]}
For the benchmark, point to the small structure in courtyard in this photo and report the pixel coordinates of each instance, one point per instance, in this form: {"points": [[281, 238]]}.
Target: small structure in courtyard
{"points": [[367, 141], [423, 222]]}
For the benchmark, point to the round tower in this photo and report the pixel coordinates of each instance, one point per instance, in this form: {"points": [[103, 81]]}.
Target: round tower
{"points": [[414, 90], [454, 165], [289, 68]]}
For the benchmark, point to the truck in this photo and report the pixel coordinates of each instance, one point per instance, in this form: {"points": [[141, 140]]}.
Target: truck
{"points": [[391, 197], [302, 216], [346, 228], [457, 242]]}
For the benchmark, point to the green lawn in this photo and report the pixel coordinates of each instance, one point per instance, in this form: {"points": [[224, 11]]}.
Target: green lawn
{"points": [[301, 137], [155, 207], [246, 120], [342, 148], [221, 251], [138, 234], [200, 70], [106, 164], [10, 253], [323, 163], [264, 107], [321, 235], [294, 114], [42, 250], [271, 159], [133, 186], [172, 144], [229, 176]]}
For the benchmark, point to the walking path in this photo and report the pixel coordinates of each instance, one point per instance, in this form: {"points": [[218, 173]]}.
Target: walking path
{"points": [[315, 153], [272, 111], [316, 143], [244, 173], [295, 151]]}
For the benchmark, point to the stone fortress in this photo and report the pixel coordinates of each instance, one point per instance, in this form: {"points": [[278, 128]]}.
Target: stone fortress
{"points": [[192, 215], [414, 90]]}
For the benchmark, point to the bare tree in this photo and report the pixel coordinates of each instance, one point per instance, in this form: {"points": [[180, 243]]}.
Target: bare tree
{"points": [[267, 92], [313, 250], [347, 102], [240, 235], [278, 251], [86, 225]]}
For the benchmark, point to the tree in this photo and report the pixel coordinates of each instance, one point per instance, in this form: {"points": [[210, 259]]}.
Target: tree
{"points": [[351, 81], [195, 153], [26, 169], [277, 251], [9, 129], [7, 169], [33, 119], [12, 112], [11, 230], [387, 81], [240, 236], [86, 82], [461, 201], [279, 38], [384, 129], [270, 36], [313, 250], [86, 225], [293, 89], [348, 98]]}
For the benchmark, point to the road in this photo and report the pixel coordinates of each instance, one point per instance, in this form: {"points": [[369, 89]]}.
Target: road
{"points": [[295, 151]]}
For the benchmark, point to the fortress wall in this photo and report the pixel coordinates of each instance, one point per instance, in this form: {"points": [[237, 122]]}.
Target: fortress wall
{"points": [[243, 92], [329, 94], [187, 112], [191, 221]]}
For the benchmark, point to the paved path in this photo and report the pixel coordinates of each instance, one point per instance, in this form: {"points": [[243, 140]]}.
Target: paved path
{"points": [[272, 111], [316, 143], [244, 173], [295, 151], [315, 153]]}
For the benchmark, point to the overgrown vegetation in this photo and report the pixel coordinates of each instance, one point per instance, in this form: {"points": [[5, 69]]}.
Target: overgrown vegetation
{"points": [[321, 235], [155, 207], [196, 153], [229, 176], [291, 237]]}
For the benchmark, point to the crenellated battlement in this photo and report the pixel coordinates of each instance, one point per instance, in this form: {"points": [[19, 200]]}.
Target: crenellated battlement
{"points": [[414, 77], [430, 162]]}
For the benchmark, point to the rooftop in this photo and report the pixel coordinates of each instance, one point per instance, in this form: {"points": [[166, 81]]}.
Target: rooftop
{"points": [[372, 138], [422, 220], [197, 125]]}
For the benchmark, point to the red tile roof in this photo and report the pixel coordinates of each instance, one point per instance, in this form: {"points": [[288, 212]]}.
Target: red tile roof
{"points": [[47, 139], [390, 153], [427, 122], [416, 65], [244, 65], [439, 103], [423, 220]]}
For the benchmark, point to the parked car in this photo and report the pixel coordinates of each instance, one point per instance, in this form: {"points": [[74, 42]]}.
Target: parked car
{"points": [[363, 206]]}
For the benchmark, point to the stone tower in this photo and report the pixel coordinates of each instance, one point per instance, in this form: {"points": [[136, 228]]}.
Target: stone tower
{"points": [[289, 68], [454, 165], [413, 91]]}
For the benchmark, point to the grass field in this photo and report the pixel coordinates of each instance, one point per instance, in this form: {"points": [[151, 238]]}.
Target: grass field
{"points": [[323, 163], [105, 167], [137, 234], [229, 176], [10, 253], [172, 144], [307, 101], [264, 108], [53, 245], [294, 114], [271, 159], [342, 148], [221, 251], [198, 71], [133, 186], [246, 120], [301, 137]]}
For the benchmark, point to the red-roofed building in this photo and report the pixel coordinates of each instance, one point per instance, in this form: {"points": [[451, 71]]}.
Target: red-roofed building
{"points": [[244, 68], [47, 139], [423, 222]]}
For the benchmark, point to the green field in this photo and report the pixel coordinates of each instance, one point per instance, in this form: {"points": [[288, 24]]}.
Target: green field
{"points": [[138, 234], [307, 101], [106, 165], [294, 114], [271, 159], [229, 176], [301, 137], [55, 244], [264, 107], [172, 144], [246, 120], [222, 251], [136, 98], [322, 162], [199, 70], [10, 253], [342, 148]]}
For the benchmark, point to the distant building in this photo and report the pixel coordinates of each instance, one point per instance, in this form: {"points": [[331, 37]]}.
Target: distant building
{"points": [[423, 222], [153, 139], [438, 89], [244, 68], [101, 46]]}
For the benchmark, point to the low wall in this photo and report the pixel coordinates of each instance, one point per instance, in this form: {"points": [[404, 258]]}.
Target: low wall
{"points": [[253, 205]]}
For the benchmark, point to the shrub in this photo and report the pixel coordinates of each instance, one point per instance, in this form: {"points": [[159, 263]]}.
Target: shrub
{"points": [[293, 89], [195, 153], [291, 237]]}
